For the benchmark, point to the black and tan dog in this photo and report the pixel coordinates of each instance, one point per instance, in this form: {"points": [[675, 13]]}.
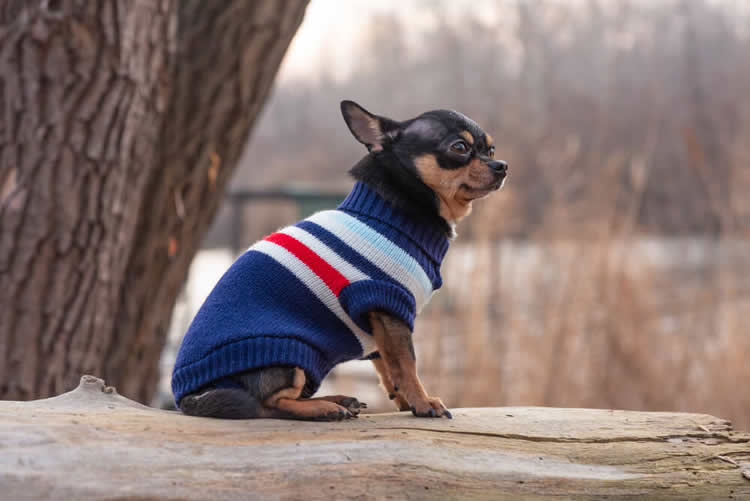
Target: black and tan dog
{"points": [[433, 166]]}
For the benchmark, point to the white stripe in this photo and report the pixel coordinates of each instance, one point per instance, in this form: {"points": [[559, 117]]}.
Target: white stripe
{"points": [[326, 253], [385, 255], [317, 286], [390, 249]]}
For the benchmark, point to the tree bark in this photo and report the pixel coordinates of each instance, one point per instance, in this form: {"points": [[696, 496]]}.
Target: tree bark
{"points": [[121, 123], [124, 450]]}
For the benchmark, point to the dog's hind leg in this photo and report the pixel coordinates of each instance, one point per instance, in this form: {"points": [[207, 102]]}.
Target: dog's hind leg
{"points": [[272, 392], [245, 399], [349, 403], [288, 401], [224, 403]]}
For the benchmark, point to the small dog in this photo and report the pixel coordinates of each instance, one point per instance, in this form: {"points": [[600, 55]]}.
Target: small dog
{"points": [[342, 284]]}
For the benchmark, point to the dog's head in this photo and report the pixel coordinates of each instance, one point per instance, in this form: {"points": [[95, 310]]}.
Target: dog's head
{"points": [[447, 151]]}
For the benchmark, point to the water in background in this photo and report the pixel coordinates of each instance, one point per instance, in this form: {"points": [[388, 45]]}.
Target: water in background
{"points": [[524, 323]]}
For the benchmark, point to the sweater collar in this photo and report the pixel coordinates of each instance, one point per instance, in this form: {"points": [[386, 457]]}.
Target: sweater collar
{"points": [[365, 201]]}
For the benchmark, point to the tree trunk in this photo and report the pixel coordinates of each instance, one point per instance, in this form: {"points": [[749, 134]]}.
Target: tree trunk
{"points": [[121, 123]]}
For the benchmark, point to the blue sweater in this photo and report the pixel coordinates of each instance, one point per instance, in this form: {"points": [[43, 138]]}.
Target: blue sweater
{"points": [[300, 297]]}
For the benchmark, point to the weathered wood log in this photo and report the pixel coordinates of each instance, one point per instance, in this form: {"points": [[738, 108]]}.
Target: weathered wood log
{"points": [[92, 443]]}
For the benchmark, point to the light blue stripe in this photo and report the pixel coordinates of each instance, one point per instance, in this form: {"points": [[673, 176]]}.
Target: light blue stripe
{"points": [[384, 245]]}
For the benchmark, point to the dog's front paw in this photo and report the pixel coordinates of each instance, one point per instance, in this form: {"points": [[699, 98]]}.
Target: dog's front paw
{"points": [[431, 407]]}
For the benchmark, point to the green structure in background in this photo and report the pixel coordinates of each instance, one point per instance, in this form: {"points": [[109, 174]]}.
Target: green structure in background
{"points": [[307, 202]]}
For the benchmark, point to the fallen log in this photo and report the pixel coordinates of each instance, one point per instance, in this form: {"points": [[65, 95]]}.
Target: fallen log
{"points": [[92, 443]]}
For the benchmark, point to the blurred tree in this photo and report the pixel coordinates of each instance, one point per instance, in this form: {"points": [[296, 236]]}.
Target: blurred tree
{"points": [[121, 124]]}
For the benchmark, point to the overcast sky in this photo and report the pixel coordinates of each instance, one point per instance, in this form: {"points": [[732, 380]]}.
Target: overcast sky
{"points": [[333, 27]]}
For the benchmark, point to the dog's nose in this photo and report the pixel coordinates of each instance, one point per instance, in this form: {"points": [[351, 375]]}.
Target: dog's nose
{"points": [[498, 166]]}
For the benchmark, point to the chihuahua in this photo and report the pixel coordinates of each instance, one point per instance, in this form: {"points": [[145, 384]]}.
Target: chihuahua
{"points": [[342, 284]]}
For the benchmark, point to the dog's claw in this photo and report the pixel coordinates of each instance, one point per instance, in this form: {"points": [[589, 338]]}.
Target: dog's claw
{"points": [[337, 415], [433, 408]]}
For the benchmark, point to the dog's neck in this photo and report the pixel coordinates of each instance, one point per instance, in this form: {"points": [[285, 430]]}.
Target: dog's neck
{"points": [[400, 227], [400, 186]]}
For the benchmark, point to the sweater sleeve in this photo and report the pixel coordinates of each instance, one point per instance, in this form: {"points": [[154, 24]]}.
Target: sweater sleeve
{"points": [[360, 298]]}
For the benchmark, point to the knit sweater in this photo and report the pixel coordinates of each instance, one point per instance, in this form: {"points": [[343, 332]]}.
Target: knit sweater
{"points": [[300, 297]]}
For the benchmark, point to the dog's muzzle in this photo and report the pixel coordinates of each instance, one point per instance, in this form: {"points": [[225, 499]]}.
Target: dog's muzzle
{"points": [[498, 167]]}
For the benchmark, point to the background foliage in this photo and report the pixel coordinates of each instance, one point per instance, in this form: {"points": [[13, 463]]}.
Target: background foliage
{"points": [[613, 270]]}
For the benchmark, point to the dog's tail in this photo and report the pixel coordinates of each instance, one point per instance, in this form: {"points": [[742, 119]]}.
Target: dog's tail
{"points": [[227, 403]]}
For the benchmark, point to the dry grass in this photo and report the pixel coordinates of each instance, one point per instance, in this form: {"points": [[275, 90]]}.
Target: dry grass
{"points": [[614, 268], [594, 315], [562, 325], [599, 317]]}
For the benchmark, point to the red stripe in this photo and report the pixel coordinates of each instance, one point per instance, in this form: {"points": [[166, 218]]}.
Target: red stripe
{"points": [[330, 275]]}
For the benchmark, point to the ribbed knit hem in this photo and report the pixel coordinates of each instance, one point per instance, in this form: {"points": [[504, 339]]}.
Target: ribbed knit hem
{"points": [[247, 354], [361, 298], [366, 201]]}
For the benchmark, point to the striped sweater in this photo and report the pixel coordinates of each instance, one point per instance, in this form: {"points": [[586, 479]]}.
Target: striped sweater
{"points": [[301, 296]]}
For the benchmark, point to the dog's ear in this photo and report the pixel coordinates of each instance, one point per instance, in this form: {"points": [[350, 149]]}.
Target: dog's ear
{"points": [[371, 130]]}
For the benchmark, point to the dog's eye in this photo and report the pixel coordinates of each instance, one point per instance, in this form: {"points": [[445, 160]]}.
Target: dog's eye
{"points": [[460, 147], [491, 152]]}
